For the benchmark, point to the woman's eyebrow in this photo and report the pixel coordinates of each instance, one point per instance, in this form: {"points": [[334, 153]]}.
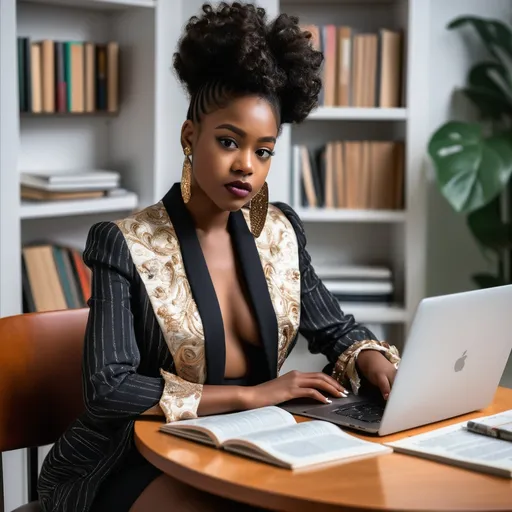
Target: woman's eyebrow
{"points": [[242, 134]]}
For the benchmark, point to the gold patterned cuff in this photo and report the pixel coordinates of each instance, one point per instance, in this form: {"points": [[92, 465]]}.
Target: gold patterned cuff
{"points": [[345, 367], [180, 398]]}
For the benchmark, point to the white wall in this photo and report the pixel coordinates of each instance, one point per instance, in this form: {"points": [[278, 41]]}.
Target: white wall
{"points": [[453, 255]]}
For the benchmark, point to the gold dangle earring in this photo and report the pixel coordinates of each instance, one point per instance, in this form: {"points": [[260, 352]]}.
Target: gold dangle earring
{"points": [[258, 210], [186, 176]]}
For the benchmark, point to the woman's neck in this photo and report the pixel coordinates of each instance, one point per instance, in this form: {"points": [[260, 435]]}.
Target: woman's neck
{"points": [[208, 218]]}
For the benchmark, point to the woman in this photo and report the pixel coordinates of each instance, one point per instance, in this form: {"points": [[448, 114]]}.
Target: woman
{"points": [[198, 300]]}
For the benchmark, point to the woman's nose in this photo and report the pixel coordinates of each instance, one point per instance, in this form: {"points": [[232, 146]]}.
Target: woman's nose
{"points": [[244, 163]]}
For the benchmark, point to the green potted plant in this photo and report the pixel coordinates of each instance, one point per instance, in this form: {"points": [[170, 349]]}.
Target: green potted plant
{"points": [[473, 160]]}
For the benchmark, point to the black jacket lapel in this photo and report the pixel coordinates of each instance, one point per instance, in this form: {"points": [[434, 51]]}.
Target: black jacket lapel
{"points": [[201, 285], [250, 264]]}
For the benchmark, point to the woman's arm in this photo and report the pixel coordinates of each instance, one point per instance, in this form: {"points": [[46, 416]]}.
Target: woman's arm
{"points": [[112, 386], [327, 329]]}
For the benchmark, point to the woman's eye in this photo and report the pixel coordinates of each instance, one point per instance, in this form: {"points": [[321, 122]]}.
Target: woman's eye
{"points": [[228, 143], [264, 153]]}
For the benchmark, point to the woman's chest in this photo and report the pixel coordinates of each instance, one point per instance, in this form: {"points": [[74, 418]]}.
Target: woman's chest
{"points": [[231, 292]]}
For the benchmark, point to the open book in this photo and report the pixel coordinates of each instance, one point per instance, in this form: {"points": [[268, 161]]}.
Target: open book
{"points": [[270, 434], [458, 446]]}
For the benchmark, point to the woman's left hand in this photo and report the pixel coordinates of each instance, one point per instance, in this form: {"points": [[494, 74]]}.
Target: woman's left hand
{"points": [[377, 369]]}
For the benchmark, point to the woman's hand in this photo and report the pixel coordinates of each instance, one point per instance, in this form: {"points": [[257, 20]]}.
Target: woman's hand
{"points": [[377, 369], [292, 385]]}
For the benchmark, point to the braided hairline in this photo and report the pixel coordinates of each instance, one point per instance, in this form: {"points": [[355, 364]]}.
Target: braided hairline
{"points": [[216, 94]]}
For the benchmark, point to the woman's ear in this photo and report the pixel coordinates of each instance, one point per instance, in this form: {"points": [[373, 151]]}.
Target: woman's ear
{"points": [[187, 134]]}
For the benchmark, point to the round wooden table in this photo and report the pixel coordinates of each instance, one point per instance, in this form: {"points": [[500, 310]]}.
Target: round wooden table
{"points": [[388, 482]]}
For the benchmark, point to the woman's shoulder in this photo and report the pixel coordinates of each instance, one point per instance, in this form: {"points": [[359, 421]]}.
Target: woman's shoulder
{"points": [[106, 244], [105, 233], [281, 208], [112, 234]]}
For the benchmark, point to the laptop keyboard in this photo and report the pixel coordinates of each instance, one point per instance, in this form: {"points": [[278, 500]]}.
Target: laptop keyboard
{"points": [[368, 412]]}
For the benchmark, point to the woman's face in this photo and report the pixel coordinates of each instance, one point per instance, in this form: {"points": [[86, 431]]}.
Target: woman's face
{"points": [[231, 151]]}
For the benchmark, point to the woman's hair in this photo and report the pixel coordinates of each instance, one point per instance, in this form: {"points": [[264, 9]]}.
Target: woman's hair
{"points": [[231, 50]]}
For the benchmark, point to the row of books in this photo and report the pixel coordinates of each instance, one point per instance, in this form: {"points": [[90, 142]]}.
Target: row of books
{"points": [[350, 174], [358, 284], [54, 278], [360, 69], [69, 76], [69, 184]]}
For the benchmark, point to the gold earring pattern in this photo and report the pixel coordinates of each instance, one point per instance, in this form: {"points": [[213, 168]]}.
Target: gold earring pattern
{"points": [[258, 210], [186, 176]]}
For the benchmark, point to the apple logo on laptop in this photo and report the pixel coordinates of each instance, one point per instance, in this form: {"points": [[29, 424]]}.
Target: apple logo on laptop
{"points": [[459, 364]]}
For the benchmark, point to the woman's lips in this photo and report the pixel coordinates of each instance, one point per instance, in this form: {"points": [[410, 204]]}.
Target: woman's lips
{"points": [[239, 188]]}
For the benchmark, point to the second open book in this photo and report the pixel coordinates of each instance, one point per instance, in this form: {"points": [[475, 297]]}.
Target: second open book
{"points": [[272, 435]]}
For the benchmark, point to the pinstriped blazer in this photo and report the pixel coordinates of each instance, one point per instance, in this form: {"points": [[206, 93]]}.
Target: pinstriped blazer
{"points": [[125, 349]]}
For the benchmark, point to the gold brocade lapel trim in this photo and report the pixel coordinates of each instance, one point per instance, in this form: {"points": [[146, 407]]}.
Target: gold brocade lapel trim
{"points": [[156, 253], [278, 251]]}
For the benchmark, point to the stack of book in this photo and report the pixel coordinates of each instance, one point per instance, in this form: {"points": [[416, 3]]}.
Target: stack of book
{"points": [[68, 185], [360, 69], [77, 77], [358, 284], [350, 174], [54, 278]]}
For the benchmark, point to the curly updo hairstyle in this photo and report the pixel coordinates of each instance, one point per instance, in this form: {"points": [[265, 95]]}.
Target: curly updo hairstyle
{"points": [[231, 50]]}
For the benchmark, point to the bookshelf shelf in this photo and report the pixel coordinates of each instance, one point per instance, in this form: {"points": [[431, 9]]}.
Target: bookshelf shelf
{"points": [[31, 115], [98, 4], [324, 3], [358, 114], [347, 215], [373, 313], [30, 210]]}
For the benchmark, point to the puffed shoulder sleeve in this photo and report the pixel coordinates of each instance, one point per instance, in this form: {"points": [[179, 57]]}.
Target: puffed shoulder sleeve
{"points": [[327, 329], [112, 385]]}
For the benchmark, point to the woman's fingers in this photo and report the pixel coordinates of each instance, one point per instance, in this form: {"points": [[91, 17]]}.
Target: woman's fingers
{"points": [[304, 392], [383, 384], [323, 385], [327, 379]]}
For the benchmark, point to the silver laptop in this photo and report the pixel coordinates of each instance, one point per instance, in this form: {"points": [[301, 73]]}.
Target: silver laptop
{"points": [[452, 363]]}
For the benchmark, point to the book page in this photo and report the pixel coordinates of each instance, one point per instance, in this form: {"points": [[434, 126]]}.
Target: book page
{"points": [[227, 426], [309, 442], [457, 443]]}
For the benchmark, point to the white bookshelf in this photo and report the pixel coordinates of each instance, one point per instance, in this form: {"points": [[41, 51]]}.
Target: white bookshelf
{"points": [[142, 143], [350, 215], [358, 114], [107, 5], [45, 210], [395, 238]]}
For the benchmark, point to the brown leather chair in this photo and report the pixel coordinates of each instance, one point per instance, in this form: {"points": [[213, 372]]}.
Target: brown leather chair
{"points": [[40, 378]]}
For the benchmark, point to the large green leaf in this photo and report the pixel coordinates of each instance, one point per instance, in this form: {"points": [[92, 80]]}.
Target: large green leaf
{"points": [[470, 170], [490, 90], [489, 229], [496, 35]]}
